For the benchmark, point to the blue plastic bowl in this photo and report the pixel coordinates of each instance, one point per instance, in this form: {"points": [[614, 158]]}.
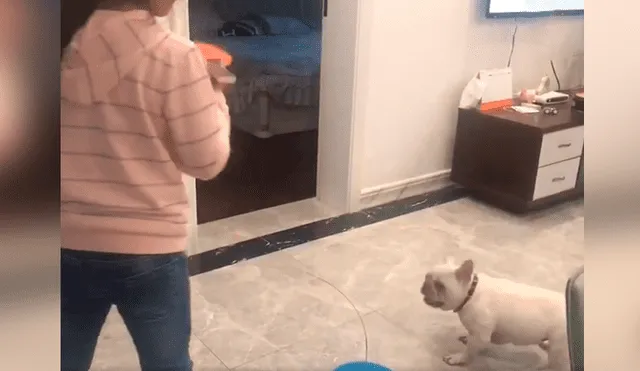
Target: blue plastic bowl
{"points": [[361, 366]]}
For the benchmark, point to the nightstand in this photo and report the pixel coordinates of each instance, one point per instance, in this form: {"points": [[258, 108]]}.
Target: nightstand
{"points": [[519, 162]]}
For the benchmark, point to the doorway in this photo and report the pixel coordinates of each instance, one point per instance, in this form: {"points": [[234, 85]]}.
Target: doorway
{"points": [[274, 105], [340, 122]]}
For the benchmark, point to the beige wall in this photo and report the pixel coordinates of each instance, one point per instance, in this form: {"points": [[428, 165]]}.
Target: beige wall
{"points": [[420, 54]]}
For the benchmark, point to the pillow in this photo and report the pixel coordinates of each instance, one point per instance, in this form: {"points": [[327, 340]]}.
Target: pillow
{"points": [[249, 25]]}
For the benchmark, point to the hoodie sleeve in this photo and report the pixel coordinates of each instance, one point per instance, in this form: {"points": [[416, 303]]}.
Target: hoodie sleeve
{"points": [[198, 120]]}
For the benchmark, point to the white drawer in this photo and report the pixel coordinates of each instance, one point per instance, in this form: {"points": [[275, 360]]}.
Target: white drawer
{"points": [[561, 145], [556, 178]]}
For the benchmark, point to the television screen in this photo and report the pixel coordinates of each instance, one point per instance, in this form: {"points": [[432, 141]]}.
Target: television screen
{"points": [[524, 8]]}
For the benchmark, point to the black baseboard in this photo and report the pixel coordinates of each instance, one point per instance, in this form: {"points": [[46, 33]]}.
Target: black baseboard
{"points": [[255, 247]]}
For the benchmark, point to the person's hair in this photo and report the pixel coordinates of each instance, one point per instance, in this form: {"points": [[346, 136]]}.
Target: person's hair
{"points": [[73, 15], [115, 4]]}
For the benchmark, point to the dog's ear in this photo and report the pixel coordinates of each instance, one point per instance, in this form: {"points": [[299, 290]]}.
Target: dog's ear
{"points": [[465, 271]]}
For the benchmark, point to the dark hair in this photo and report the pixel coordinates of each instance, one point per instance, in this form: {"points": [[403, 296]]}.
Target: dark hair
{"points": [[114, 4], [73, 15]]}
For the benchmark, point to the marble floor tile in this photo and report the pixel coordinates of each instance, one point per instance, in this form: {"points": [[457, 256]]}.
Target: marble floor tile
{"points": [[393, 347], [324, 351], [245, 311], [486, 224], [369, 272], [236, 309], [244, 283], [384, 262], [258, 223], [385, 344], [294, 309], [116, 352]]}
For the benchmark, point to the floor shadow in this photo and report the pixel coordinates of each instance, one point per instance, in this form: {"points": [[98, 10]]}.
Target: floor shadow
{"points": [[261, 173]]}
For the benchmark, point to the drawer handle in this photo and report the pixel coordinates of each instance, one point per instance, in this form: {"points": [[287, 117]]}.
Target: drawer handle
{"points": [[564, 145], [558, 179]]}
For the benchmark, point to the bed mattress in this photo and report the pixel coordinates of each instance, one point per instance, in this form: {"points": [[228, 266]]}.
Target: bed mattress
{"points": [[287, 67]]}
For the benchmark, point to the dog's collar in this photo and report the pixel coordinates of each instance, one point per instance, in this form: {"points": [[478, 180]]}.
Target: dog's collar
{"points": [[472, 289]]}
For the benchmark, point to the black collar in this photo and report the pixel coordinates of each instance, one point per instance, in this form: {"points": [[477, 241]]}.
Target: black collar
{"points": [[472, 289]]}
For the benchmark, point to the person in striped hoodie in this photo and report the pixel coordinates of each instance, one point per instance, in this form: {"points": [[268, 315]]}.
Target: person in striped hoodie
{"points": [[138, 111]]}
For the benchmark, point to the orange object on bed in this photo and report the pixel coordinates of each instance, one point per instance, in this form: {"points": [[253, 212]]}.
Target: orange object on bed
{"points": [[212, 53]]}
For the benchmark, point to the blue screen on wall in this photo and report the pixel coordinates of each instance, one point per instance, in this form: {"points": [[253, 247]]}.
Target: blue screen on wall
{"points": [[533, 8]]}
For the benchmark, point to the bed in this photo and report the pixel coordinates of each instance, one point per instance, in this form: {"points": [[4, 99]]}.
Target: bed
{"points": [[277, 89]]}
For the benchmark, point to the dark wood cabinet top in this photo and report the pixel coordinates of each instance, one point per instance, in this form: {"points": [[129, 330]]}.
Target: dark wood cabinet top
{"points": [[567, 117]]}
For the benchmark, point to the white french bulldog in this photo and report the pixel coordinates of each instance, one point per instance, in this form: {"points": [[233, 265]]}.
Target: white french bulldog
{"points": [[498, 311]]}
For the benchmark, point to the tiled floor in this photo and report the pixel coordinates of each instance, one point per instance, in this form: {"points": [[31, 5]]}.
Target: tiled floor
{"points": [[355, 295]]}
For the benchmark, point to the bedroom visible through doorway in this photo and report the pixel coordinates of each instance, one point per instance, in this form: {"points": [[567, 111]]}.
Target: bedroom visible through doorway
{"points": [[274, 106]]}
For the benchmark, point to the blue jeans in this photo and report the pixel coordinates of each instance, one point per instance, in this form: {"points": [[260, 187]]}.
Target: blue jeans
{"points": [[151, 292]]}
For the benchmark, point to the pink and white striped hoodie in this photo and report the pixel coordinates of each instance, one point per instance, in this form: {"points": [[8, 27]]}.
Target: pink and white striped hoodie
{"points": [[137, 111]]}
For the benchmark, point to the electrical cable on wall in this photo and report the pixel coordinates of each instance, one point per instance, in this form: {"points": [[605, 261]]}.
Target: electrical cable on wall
{"points": [[513, 44], [553, 68]]}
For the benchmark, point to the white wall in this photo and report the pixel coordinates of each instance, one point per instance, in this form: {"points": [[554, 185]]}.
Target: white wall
{"points": [[419, 55]]}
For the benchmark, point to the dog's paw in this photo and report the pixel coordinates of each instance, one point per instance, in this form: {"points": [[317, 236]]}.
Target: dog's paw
{"points": [[463, 339], [457, 359]]}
